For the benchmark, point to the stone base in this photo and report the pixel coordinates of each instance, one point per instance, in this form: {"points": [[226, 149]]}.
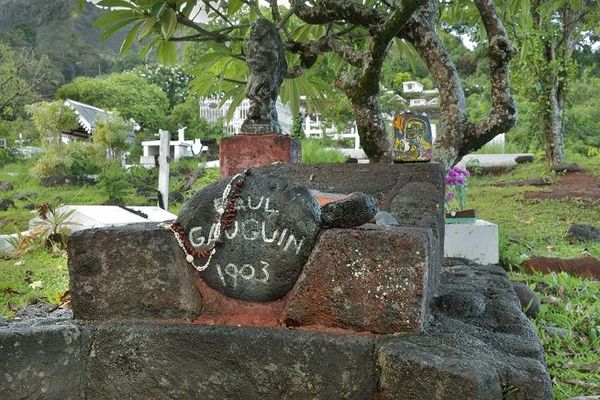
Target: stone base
{"points": [[477, 242], [239, 152], [378, 279], [479, 345]]}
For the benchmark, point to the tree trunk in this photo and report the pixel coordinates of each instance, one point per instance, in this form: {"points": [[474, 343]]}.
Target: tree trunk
{"points": [[371, 128], [553, 134], [552, 106]]}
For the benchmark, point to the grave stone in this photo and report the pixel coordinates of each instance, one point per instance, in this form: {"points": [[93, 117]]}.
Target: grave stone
{"points": [[272, 233]]}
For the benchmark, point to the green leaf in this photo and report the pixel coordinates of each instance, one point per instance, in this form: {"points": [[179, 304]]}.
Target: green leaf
{"points": [[168, 23], [130, 38], [108, 32], [115, 3], [147, 28], [233, 7], [236, 100], [166, 52], [146, 49], [113, 17], [189, 7]]}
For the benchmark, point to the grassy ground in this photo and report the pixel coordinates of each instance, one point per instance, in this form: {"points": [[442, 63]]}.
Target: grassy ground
{"points": [[528, 228], [538, 228]]}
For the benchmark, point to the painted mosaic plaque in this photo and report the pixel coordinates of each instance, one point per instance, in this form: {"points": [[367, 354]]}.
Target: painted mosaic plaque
{"points": [[412, 140], [270, 236]]}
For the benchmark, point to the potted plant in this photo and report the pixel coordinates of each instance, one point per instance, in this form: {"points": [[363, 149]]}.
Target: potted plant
{"points": [[455, 204]]}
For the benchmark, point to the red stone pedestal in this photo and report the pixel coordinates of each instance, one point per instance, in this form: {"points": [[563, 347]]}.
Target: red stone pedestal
{"points": [[239, 152]]}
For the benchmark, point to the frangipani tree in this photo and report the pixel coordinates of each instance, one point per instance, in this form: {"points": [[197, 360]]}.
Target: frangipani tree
{"points": [[356, 34]]}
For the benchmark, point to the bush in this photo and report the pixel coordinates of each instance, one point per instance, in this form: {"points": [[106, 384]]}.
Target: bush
{"points": [[51, 168], [114, 182], [8, 155], [81, 159], [84, 159], [315, 152]]}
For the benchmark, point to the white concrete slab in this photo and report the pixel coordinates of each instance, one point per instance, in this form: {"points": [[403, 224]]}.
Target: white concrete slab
{"points": [[492, 160], [92, 216], [477, 241]]}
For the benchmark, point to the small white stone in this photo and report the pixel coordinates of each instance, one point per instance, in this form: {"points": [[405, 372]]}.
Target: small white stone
{"points": [[189, 258]]}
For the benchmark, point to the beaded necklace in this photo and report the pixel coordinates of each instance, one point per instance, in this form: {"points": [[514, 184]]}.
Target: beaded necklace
{"points": [[226, 216]]}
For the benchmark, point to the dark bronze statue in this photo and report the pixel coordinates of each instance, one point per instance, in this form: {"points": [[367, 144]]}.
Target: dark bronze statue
{"points": [[266, 59]]}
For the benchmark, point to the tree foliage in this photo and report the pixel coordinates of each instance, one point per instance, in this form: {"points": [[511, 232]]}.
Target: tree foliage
{"points": [[51, 119], [129, 94], [20, 74], [548, 33], [111, 134], [358, 34]]}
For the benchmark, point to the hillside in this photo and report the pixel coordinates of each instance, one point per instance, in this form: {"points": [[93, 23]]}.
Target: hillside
{"points": [[63, 33]]}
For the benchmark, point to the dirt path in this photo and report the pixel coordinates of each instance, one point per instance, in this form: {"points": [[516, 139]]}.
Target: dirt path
{"points": [[572, 185]]}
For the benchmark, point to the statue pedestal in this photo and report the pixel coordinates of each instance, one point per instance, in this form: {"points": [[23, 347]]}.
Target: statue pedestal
{"points": [[239, 152]]}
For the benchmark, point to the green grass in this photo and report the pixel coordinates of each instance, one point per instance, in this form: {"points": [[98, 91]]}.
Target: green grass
{"points": [[531, 227], [39, 266], [571, 303], [16, 219], [538, 228], [317, 152]]}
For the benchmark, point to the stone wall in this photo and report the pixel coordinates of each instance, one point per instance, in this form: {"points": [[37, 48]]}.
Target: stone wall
{"points": [[479, 345]]}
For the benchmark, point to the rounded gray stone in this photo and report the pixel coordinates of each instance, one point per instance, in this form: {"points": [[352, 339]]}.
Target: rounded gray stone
{"points": [[261, 255], [355, 210], [530, 301]]}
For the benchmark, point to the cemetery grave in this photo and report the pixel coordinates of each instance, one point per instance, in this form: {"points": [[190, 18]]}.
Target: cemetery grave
{"points": [[287, 306]]}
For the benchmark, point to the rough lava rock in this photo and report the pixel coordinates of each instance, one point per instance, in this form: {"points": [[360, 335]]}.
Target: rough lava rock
{"points": [[136, 271], [6, 186], [370, 278], [530, 301], [354, 210], [583, 233], [488, 350], [261, 255]]}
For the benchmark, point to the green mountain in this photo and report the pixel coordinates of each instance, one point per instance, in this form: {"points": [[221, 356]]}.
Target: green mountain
{"points": [[63, 33]]}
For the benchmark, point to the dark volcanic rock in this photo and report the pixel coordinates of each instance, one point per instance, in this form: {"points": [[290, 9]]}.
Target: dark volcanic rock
{"points": [[468, 355], [261, 255], [42, 359], [6, 186], [23, 196], [5, 204], [35, 311], [530, 301], [524, 159], [584, 233], [564, 168], [135, 271], [560, 333], [464, 355], [179, 362], [524, 182], [412, 193], [366, 279], [353, 210]]}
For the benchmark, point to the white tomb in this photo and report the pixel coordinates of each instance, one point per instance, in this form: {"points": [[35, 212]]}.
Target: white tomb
{"points": [[476, 241]]}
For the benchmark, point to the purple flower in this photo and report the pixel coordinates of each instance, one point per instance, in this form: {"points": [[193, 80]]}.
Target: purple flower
{"points": [[450, 196], [457, 176]]}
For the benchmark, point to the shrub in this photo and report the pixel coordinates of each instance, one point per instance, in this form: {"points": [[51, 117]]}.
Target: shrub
{"points": [[84, 159], [51, 166], [114, 182], [8, 155], [315, 152]]}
